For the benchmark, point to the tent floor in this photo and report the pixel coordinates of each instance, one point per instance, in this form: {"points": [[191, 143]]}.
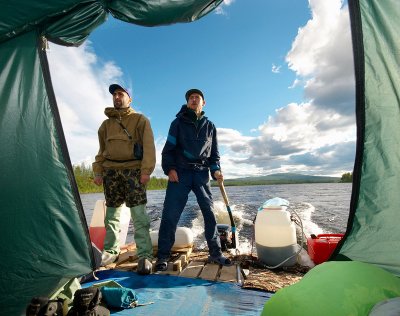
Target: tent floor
{"points": [[160, 295]]}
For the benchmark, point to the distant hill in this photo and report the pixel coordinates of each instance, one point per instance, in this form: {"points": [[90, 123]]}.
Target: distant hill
{"points": [[281, 178]]}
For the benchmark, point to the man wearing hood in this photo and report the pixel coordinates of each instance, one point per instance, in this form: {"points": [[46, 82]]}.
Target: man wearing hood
{"points": [[189, 156], [123, 165]]}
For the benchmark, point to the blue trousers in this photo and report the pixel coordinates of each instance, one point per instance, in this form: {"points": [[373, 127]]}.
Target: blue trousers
{"points": [[175, 201]]}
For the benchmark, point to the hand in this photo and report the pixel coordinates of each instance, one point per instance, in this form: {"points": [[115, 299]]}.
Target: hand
{"points": [[98, 180], [173, 176], [219, 176], [144, 178]]}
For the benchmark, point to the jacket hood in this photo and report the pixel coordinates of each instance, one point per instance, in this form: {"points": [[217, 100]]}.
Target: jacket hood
{"points": [[187, 113], [183, 110], [112, 112]]}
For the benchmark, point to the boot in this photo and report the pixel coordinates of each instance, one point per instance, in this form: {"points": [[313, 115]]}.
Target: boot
{"points": [[42, 306], [113, 227], [141, 223], [87, 302], [144, 266]]}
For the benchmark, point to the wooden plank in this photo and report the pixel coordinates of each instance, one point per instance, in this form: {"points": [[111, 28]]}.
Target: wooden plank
{"points": [[128, 247], [177, 265], [170, 269], [187, 250], [175, 252], [127, 266], [210, 272], [228, 274], [192, 270], [168, 272], [184, 250], [127, 256], [184, 260], [111, 265]]}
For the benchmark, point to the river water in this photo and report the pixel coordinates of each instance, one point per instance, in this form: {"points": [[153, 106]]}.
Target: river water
{"points": [[322, 207]]}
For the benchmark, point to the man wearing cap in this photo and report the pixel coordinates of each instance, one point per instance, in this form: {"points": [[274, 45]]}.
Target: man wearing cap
{"points": [[189, 155], [124, 173]]}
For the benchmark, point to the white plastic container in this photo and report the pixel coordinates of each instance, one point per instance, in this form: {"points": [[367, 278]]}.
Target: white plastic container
{"points": [[183, 238], [275, 234], [97, 231]]}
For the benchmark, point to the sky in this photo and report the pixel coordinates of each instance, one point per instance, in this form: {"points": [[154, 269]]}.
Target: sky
{"points": [[277, 76]]}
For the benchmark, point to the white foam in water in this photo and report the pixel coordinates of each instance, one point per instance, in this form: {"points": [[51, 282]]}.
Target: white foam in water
{"points": [[222, 215], [308, 226], [244, 247], [198, 232]]}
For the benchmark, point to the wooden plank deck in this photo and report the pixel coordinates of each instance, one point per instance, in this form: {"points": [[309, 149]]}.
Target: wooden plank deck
{"points": [[185, 262], [180, 264]]}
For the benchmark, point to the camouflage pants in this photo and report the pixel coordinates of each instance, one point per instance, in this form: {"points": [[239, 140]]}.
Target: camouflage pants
{"points": [[123, 186]]}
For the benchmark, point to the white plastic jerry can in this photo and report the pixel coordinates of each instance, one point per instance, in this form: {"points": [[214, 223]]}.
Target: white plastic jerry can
{"points": [[275, 234]]}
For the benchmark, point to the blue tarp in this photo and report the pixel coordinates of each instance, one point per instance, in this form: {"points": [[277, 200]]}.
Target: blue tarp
{"points": [[174, 295]]}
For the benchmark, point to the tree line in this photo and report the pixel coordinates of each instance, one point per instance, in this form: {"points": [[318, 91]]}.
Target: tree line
{"points": [[84, 179], [346, 177]]}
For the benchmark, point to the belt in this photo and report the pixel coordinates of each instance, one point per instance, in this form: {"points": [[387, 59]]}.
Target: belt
{"points": [[113, 160], [197, 165]]}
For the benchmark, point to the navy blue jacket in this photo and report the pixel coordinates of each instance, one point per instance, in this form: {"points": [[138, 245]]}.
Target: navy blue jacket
{"points": [[191, 143]]}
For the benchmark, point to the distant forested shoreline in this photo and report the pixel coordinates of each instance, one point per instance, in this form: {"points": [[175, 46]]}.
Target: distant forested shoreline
{"points": [[84, 179]]}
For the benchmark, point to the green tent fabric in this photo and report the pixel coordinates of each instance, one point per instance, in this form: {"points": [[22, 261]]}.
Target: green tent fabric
{"points": [[70, 21], [373, 233], [335, 288], [43, 241], [44, 234]]}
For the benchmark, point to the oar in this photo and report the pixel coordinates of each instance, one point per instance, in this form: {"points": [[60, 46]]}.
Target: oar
{"points": [[233, 226]]}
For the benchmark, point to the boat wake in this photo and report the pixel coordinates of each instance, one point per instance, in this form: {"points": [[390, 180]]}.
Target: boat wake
{"points": [[305, 211]]}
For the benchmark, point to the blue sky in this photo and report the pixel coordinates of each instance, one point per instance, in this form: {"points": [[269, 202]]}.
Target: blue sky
{"points": [[277, 77]]}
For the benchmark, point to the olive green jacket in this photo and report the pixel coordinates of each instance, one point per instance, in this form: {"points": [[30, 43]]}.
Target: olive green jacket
{"points": [[116, 149]]}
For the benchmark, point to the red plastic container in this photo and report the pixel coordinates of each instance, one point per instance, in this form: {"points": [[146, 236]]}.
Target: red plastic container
{"points": [[320, 247]]}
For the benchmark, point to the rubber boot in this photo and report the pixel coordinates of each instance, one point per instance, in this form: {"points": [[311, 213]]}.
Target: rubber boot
{"points": [[144, 266], [112, 225], [141, 224]]}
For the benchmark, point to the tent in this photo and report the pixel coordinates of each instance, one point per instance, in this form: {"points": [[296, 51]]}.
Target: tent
{"points": [[44, 233], [373, 234]]}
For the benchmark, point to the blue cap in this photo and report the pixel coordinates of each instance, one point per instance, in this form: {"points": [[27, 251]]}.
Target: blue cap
{"points": [[116, 86], [191, 91]]}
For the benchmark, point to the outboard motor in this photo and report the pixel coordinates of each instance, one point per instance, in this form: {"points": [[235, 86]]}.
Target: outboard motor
{"points": [[226, 236]]}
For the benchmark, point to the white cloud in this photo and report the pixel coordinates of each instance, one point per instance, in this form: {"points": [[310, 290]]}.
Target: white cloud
{"points": [[276, 69], [220, 8], [322, 55], [298, 138], [317, 136], [295, 83], [80, 83]]}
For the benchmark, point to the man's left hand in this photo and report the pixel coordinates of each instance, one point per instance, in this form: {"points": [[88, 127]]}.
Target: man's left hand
{"points": [[144, 178]]}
